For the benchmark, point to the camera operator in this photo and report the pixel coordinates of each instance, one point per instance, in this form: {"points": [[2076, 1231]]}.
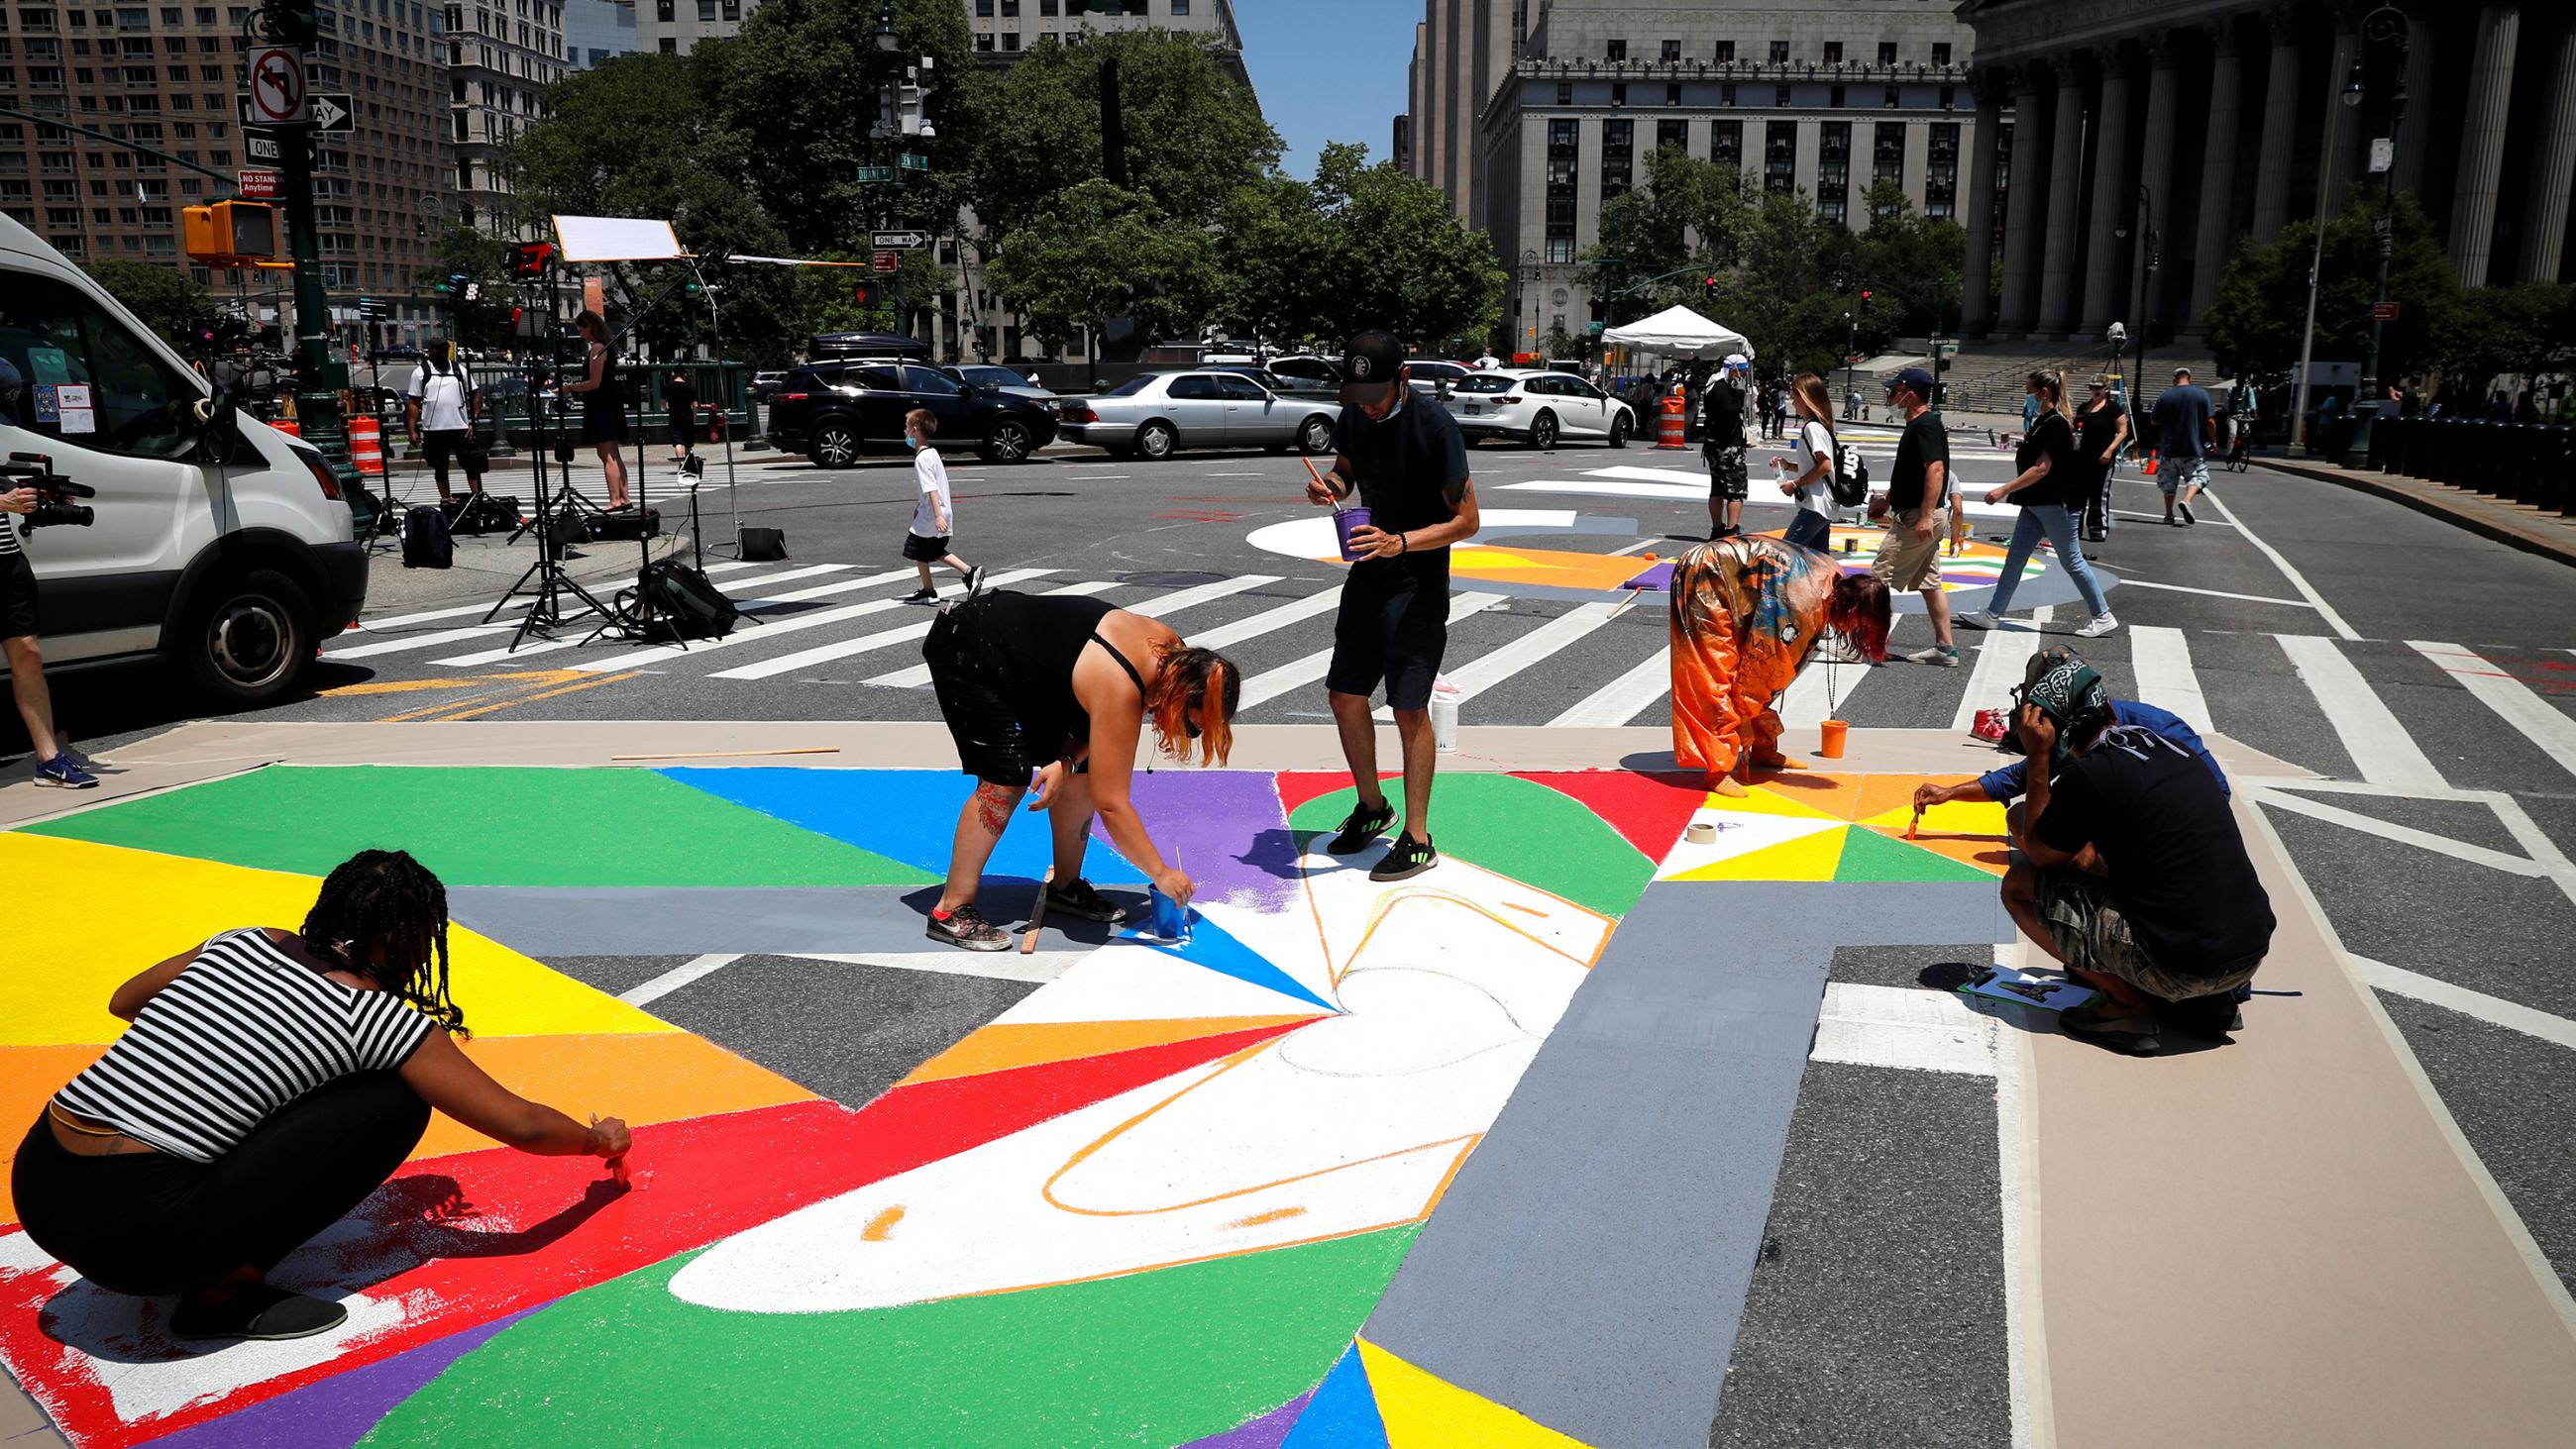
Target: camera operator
{"points": [[54, 766], [446, 405]]}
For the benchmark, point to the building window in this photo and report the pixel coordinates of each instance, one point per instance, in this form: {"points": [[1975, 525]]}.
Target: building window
{"points": [[1833, 52], [1779, 52], [1834, 98], [1780, 97], [1941, 54], [1726, 143], [1833, 172], [1565, 93], [1887, 52], [1011, 9], [1949, 97], [1726, 52], [1941, 172], [1180, 7], [1046, 9], [1010, 40], [663, 10], [2003, 144], [670, 46], [1673, 94], [706, 13], [983, 9], [1672, 52], [1887, 153], [1614, 50], [1780, 156], [983, 40], [1672, 135], [1564, 161], [1618, 93], [1618, 157], [1726, 94], [1893, 100]]}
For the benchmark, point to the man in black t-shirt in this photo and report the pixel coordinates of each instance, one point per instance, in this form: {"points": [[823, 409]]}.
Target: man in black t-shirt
{"points": [[1909, 553], [1404, 457], [1721, 442], [2137, 877]]}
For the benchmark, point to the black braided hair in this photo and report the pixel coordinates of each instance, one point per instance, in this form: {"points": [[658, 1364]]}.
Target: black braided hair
{"points": [[385, 899]]}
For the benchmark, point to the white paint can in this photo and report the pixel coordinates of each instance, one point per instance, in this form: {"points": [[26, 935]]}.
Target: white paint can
{"points": [[1444, 713]]}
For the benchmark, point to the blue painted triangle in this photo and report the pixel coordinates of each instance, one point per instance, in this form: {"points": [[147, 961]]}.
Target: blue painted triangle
{"points": [[1343, 1414], [905, 815], [1212, 946]]}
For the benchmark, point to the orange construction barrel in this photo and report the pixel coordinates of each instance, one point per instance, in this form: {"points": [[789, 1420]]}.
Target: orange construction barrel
{"points": [[288, 426], [1674, 431], [367, 446]]}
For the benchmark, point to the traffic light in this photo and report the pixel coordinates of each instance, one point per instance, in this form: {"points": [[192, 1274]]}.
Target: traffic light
{"points": [[229, 233], [1864, 296], [529, 260], [453, 285], [867, 294], [294, 21], [1708, 289]]}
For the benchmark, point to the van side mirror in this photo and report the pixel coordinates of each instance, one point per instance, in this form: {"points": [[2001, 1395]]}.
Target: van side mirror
{"points": [[217, 419]]}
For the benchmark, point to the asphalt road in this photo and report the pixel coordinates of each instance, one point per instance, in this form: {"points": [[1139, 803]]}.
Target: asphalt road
{"points": [[2430, 674]]}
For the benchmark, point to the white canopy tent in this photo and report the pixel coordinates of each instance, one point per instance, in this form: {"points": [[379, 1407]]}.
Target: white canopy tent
{"points": [[1679, 332]]}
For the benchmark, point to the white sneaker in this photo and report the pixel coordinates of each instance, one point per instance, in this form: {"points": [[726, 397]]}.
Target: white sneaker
{"points": [[1978, 619], [2097, 626], [1937, 656]]}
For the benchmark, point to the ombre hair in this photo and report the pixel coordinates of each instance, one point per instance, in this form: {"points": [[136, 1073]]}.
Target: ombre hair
{"points": [[2055, 384], [1200, 679]]}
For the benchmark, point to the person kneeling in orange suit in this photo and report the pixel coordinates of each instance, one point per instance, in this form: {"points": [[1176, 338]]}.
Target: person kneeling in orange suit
{"points": [[1747, 613]]}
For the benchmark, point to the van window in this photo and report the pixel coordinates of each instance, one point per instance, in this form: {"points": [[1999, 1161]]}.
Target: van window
{"points": [[57, 337]]}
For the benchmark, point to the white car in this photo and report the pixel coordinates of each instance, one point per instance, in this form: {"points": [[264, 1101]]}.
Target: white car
{"points": [[1538, 408], [1160, 413]]}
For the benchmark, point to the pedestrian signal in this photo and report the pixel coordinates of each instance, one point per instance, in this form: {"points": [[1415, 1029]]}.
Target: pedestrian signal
{"points": [[229, 233]]}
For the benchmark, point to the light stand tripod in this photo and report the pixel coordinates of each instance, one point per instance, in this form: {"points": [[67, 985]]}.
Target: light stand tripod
{"points": [[545, 582]]}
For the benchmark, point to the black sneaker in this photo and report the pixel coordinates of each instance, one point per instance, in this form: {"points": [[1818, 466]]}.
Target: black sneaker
{"points": [[2185, 510], [2106, 1023], [1079, 899], [922, 596], [974, 581], [1361, 826], [263, 1313], [1405, 859], [966, 929]]}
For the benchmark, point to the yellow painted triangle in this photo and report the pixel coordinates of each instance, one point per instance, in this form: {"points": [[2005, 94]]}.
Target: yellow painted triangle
{"points": [[1809, 857], [1959, 817], [58, 967], [1421, 1410], [1758, 801]]}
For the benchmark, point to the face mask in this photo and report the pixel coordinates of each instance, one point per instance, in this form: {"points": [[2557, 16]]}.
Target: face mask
{"points": [[912, 442]]}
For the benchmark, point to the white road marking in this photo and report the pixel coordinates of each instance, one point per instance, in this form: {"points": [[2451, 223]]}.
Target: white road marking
{"points": [[1544, 642], [1820, 689], [2024, 1361], [675, 978], [2162, 660], [2517, 702], [475, 631], [794, 623], [2127, 582], [1271, 620], [2297, 580], [1902, 1026], [576, 631], [2380, 747], [2494, 1010], [865, 643], [1623, 698], [2001, 661], [915, 676], [1272, 683], [2402, 834]]}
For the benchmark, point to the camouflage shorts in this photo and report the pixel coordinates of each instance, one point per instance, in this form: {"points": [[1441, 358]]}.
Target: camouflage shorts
{"points": [[2091, 934]]}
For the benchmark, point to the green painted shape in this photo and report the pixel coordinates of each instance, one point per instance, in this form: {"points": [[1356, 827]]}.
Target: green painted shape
{"points": [[1159, 1358], [1870, 856], [1518, 828], [489, 827]]}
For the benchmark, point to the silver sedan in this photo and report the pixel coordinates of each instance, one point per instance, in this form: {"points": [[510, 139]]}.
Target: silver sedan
{"points": [[1160, 413]]}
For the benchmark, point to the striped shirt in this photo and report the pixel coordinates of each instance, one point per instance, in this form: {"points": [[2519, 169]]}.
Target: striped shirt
{"points": [[9, 523], [245, 1029]]}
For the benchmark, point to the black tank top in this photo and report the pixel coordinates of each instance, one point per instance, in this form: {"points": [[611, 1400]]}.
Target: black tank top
{"points": [[1038, 639]]}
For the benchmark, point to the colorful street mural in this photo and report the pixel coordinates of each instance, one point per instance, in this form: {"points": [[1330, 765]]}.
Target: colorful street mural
{"points": [[1151, 1202]]}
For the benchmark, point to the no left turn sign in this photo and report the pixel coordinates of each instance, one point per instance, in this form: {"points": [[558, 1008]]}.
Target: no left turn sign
{"points": [[277, 93]]}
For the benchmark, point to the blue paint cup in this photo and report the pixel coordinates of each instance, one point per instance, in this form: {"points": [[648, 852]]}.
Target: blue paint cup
{"points": [[1347, 522], [1171, 918]]}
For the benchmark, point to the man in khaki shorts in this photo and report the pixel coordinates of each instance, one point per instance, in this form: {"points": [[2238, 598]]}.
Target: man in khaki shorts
{"points": [[1909, 556]]}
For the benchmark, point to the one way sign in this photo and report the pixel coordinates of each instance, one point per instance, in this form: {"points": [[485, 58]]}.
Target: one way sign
{"points": [[325, 111], [889, 241]]}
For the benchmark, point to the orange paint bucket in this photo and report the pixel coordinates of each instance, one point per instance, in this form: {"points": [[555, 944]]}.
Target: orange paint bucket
{"points": [[1831, 746]]}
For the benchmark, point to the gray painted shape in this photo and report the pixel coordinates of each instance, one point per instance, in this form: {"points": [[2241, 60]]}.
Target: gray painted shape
{"points": [[548, 921], [1588, 1266]]}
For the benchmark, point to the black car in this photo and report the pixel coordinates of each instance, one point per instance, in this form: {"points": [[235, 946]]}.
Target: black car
{"points": [[834, 411]]}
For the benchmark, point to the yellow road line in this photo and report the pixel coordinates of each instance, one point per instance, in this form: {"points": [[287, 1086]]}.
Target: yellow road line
{"points": [[542, 694], [414, 686]]}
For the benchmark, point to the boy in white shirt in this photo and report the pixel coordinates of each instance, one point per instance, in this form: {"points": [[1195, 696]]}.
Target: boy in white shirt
{"points": [[933, 518]]}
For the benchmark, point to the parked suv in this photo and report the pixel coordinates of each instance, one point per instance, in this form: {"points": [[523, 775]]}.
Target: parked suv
{"points": [[833, 412]]}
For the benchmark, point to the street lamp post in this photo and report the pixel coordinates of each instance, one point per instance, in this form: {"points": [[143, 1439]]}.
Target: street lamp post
{"points": [[2387, 23], [2316, 266], [2149, 261]]}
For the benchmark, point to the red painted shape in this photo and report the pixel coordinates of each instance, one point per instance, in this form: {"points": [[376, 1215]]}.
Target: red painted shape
{"points": [[1296, 787], [466, 1239], [1648, 807]]}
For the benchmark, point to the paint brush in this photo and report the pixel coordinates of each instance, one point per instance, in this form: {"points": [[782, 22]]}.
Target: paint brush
{"points": [[1037, 914], [1319, 480], [617, 1164], [1914, 829]]}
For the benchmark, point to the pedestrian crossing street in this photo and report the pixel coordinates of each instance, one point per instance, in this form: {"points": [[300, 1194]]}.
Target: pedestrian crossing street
{"points": [[844, 631]]}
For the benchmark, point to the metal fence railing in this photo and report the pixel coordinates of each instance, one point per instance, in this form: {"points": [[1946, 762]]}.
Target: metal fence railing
{"points": [[2529, 463]]}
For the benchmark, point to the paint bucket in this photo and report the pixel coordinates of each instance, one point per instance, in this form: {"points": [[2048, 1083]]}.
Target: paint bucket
{"points": [[1345, 523], [1831, 746], [1444, 714], [1171, 918], [1700, 832]]}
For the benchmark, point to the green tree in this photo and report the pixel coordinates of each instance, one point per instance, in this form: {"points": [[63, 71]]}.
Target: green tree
{"points": [[1277, 254], [1104, 251], [1912, 265], [2257, 321], [1691, 216], [466, 252], [165, 298], [2524, 331], [1403, 260]]}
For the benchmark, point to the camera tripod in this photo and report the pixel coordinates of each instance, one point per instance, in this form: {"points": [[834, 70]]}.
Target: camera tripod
{"points": [[546, 583]]}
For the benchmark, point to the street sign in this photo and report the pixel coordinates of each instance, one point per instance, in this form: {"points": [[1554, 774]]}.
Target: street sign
{"points": [[914, 163], [261, 146], [876, 173], [889, 261], [2383, 311], [277, 93], [1593, 327], [2383, 154], [260, 185], [899, 240], [334, 111]]}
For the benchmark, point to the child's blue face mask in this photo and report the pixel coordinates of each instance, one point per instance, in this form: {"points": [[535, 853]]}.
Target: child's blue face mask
{"points": [[912, 441]]}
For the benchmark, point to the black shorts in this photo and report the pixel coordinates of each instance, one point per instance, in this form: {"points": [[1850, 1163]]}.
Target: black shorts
{"points": [[968, 678], [1393, 627], [925, 550], [1726, 480], [17, 592]]}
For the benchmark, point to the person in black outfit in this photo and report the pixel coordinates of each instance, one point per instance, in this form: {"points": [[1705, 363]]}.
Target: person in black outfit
{"points": [[1046, 696], [603, 412], [1721, 444], [2101, 427], [1408, 464], [680, 412]]}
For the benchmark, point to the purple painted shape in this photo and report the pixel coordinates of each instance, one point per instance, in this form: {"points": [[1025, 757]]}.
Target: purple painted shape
{"points": [[1228, 831], [1654, 576], [1265, 1432], [338, 1411]]}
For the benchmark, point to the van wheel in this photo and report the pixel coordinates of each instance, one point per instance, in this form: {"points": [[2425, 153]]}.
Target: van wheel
{"points": [[249, 639]]}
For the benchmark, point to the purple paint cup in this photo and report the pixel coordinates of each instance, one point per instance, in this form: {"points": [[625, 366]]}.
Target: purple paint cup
{"points": [[1346, 522]]}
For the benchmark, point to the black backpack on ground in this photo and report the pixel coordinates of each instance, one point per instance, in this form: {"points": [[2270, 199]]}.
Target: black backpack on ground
{"points": [[425, 543]]}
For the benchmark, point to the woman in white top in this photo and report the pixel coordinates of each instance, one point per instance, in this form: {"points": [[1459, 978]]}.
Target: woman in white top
{"points": [[1807, 474], [270, 1082]]}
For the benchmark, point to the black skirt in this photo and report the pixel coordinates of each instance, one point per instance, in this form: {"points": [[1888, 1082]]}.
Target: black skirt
{"points": [[603, 419]]}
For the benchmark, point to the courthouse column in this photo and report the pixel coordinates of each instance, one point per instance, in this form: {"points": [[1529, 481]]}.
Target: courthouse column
{"points": [[2156, 169], [2115, 198], [2018, 308], [2218, 170], [1976, 300], [2414, 139], [2482, 141], [2065, 167], [2342, 126], [2280, 128], [2544, 236]]}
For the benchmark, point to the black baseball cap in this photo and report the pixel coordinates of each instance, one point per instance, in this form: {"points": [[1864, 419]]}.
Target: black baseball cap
{"points": [[1372, 363], [1914, 379]]}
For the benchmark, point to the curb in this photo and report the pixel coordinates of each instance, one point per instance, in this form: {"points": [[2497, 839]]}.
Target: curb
{"points": [[2461, 511]]}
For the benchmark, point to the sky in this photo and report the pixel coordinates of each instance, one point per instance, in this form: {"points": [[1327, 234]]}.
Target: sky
{"points": [[1328, 70]]}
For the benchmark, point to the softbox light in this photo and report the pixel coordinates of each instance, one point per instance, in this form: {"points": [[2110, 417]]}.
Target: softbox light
{"points": [[616, 239]]}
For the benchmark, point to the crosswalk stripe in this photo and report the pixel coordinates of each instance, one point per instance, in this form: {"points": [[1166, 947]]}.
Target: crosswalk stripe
{"points": [[1544, 642], [2521, 708], [1625, 697], [2001, 659], [2162, 661], [792, 624], [1270, 620], [576, 631], [917, 675], [866, 643], [475, 631], [1819, 690], [1272, 683], [2380, 747]]}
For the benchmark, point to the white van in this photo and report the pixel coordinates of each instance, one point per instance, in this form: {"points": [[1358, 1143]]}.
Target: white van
{"points": [[223, 546]]}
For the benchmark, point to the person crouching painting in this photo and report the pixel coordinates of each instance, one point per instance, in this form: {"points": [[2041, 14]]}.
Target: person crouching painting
{"points": [[1747, 614]]}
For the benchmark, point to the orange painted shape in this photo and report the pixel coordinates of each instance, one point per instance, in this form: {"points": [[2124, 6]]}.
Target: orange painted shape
{"points": [[1004, 1045], [663, 1077], [28, 1076], [1558, 568], [1836, 797]]}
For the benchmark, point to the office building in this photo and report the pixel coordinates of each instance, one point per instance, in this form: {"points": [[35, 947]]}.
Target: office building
{"points": [[673, 27], [1461, 50], [165, 76], [1005, 28], [595, 30], [2208, 122], [501, 56]]}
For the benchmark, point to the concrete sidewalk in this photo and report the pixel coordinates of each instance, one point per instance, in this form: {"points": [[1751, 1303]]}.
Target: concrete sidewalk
{"points": [[2516, 525]]}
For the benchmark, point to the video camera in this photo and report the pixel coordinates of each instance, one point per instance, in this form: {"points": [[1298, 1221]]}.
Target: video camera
{"points": [[54, 492]]}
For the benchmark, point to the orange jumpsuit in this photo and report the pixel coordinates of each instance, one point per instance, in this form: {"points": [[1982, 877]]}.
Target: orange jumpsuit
{"points": [[1746, 613]]}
